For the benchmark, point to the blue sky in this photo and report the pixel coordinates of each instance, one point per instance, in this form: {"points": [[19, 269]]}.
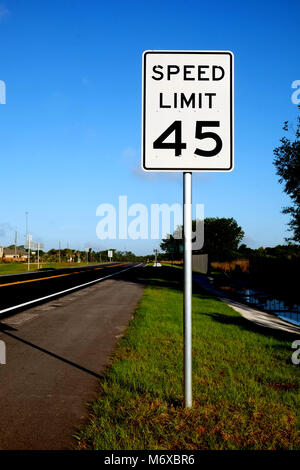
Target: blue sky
{"points": [[70, 129]]}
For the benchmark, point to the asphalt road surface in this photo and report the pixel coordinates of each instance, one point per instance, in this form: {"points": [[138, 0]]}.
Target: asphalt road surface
{"points": [[22, 290], [56, 351]]}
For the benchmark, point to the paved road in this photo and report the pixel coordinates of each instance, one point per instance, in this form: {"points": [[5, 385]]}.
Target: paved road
{"points": [[23, 290], [56, 352]]}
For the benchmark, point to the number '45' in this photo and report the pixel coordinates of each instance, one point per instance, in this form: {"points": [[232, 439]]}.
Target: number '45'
{"points": [[178, 145]]}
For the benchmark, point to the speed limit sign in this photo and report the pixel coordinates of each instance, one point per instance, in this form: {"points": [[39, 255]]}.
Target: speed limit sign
{"points": [[187, 111], [187, 126]]}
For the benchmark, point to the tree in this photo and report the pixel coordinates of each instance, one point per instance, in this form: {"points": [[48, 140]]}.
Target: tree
{"points": [[173, 245], [222, 237], [287, 162]]}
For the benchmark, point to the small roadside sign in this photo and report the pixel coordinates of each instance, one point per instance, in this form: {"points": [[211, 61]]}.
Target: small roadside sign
{"points": [[110, 254], [187, 111]]}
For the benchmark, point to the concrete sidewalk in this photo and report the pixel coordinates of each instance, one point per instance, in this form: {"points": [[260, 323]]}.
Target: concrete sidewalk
{"points": [[259, 317]]}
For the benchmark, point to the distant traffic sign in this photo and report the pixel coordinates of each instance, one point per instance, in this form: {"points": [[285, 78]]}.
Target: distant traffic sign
{"points": [[187, 111]]}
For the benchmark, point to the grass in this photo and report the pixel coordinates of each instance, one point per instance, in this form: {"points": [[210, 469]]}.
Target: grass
{"points": [[175, 266], [15, 268], [245, 386]]}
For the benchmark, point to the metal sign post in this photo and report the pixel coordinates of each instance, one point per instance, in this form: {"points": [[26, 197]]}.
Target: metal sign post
{"points": [[187, 290], [187, 126]]}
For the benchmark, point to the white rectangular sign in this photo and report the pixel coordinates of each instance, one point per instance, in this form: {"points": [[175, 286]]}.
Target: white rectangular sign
{"points": [[110, 253], [187, 111]]}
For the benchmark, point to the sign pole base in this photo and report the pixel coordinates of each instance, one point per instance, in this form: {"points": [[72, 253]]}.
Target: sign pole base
{"points": [[187, 289]]}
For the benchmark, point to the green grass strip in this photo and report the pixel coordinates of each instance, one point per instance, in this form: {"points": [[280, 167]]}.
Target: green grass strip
{"points": [[16, 268], [244, 383]]}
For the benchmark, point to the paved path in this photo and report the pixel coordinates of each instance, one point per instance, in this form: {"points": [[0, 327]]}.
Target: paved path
{"points": [[56, 353], [263, 319]]}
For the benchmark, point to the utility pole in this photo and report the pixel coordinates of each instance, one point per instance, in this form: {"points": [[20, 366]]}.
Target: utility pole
{"points": [[28, 241], [155, 251], [16, 240], [59, 251], [28, 256]]}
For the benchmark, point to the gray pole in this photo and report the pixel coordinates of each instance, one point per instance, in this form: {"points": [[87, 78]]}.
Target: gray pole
{"points": [[16, 241], [28, 266], [187, 290], [28, 254]]}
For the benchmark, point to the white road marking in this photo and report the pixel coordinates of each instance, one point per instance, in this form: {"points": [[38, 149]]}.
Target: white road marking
{"points": [[66, 290]]}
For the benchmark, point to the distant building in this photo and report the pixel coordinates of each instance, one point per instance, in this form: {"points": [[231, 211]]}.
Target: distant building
{"points": [[10, 254]]}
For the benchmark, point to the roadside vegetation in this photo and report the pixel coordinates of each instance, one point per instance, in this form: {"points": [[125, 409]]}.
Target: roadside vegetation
{"points": [[65, 255], [272, 270], [244, 383], [15, 268]]}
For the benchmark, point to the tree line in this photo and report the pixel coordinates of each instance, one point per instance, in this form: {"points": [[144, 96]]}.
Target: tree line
{"points": [[66, 255]]}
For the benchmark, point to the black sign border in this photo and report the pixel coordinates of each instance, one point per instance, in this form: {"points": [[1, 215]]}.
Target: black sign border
{"points": [[144, 111]]}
